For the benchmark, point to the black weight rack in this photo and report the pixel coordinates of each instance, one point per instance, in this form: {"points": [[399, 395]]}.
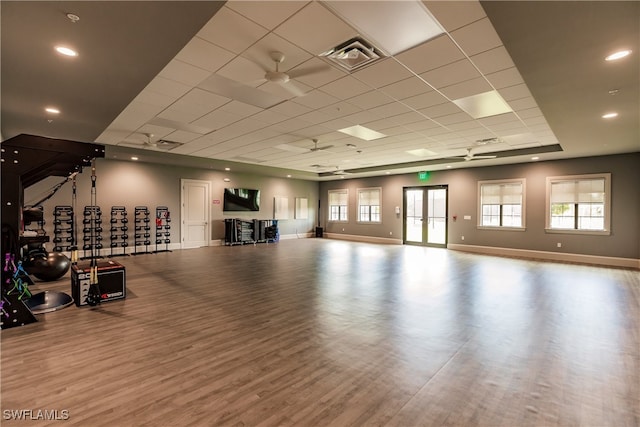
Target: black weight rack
{"points": [[62, 228], [92, 232], [119, 230], [163, 228], [142, 229]]}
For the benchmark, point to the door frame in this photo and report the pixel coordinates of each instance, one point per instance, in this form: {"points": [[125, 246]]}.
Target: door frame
{"points": [[425, 211], [207, 185]]}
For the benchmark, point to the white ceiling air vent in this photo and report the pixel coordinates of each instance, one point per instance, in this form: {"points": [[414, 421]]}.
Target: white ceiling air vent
{"points": [[353, 54]]}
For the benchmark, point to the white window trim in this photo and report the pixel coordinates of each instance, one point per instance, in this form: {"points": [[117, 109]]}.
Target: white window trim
{"points": [[607, 205], [342, 190], [521, 181], [358, 205]]}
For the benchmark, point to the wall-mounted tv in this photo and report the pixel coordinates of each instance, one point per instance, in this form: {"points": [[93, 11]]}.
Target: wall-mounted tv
{"points": [[241, 199]]}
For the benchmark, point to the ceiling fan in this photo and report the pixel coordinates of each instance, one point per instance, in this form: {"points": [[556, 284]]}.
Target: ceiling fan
{"points": [[284, 79], [470, 156], [152, 144], [316, 148]]}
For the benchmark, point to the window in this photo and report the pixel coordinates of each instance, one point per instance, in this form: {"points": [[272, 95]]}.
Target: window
{"points": [[338, 205], [501, 203], [579, 203], [369, 200]]}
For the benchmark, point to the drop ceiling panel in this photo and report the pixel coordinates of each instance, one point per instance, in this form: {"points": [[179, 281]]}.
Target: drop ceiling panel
{"points": [[315, 29], [270, 117], [202, 98], [449, 74], [339, 109], [182, 72], [259, 53], [522, 103], [425, 100], [468, 88], [321, 74], [505, 78], [455, 14], [370, 100], [316, 99], [244, 71], [453, 118], [290, 109], [431, 54], [154, 98], [231, 31], [217, 119], [493, 60], [345, 88], [406, 88], [382, 73], [182, 136], [203, 54], [268, 14], [240, 109], [476, 37], [167, 87], [440, 110], [183, 113], [515, 92]]}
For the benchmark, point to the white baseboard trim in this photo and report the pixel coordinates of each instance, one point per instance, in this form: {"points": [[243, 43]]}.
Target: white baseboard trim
{"points": [[549, 256], [365, 239]]}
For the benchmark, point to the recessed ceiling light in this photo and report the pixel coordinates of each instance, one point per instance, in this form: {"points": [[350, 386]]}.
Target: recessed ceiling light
{"points": [[618, 55], [63, 50], [226, 180], [362, 132], [227, 169], [448, 166], [535, 158], [52, 110], [609, 115], [288, 176], [134, 158]]}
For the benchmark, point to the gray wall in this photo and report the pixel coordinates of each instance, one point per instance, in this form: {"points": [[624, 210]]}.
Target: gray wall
{"points": [[130, 184], [623, 242]]}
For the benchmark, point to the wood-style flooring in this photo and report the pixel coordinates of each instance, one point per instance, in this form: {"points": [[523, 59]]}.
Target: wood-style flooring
{"points": [[317, 332]]}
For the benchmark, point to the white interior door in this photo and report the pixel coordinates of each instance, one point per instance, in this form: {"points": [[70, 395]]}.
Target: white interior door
{"points": [[195, 214]]}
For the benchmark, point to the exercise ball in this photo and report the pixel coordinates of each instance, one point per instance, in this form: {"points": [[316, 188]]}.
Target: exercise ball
{"points": [[52, 267]]}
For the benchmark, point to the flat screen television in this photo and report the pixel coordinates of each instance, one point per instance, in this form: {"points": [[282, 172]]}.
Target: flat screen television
{"points": [[241, 199]]}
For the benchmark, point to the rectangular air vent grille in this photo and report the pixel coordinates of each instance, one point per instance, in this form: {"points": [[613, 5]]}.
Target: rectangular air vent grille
{"points": [[353, 54]]}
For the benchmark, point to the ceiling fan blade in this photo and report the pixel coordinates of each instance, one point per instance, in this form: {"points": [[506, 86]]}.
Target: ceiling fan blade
{"points": [[301, 72], [240, 92], [293, 89]]}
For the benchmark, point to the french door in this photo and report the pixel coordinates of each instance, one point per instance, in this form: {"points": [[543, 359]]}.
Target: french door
{"points": [[425, 216]]}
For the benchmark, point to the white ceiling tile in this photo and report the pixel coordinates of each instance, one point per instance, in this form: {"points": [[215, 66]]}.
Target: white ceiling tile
{"points": [[362, 117], [449, 74], [523, 103], [406, 88], [505, 78], [184, 73], [530, 112], [382, 73], [425, 100], [203, 54], [345, 87], [406, 118], [340, 109], [243, 70], [290, 125], [154, 98], [289, 109], [500, 118], [232, 31], [455, 14], [168, 87], [217, 119], [182, 136], [468, 88], [260, 53], [315, 29], [422, 125], [370, 99], [453, 118], [204, 98], [492, 60], [268, 14], [515, 92], [316, 99], [316, 73], [240, 109], [185, 114], [477, 37], [390, 110], [440, 110], [270, 117], [315, 117], [431, 54]]}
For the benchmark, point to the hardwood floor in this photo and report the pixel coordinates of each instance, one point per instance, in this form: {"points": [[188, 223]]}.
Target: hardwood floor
{"points": [[317, 332]]}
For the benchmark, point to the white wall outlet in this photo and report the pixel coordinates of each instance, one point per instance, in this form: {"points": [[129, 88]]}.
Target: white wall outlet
{"points": [[462, 238], [343, 229], [467, 217], [391, 233], [559, 244]]}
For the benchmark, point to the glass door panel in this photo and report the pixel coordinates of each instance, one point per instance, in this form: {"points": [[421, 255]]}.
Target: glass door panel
{"points": [[425, 220]]}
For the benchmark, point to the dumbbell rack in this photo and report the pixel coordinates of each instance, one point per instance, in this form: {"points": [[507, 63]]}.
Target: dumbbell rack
{"points": [[91, 230], [62, 228], [163, 226], [142, 230], [119, 228]]}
